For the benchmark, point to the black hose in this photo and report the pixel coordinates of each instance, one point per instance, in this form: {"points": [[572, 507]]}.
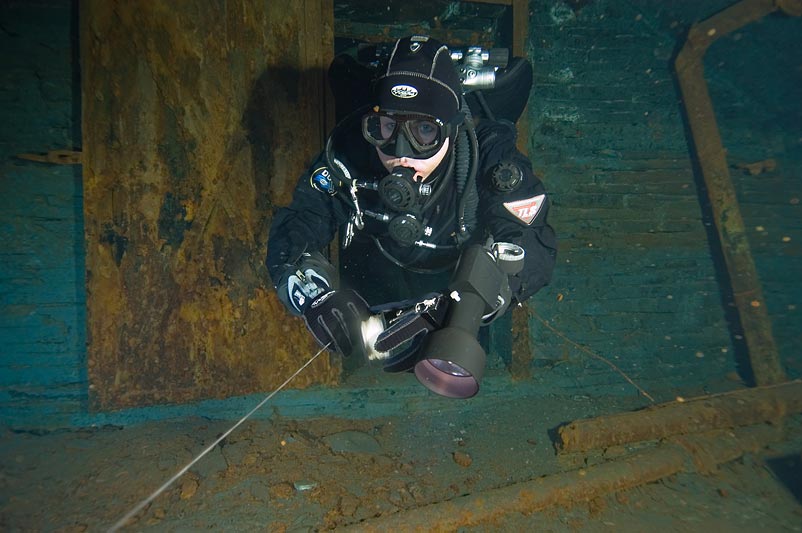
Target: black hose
{"points": [[469, 203], [441, 187], [390, 257], [328, 153], [480, 97], [463, 150]]}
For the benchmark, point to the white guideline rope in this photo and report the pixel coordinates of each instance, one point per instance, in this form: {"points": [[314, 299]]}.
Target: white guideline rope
{"points": [[144, 503]]}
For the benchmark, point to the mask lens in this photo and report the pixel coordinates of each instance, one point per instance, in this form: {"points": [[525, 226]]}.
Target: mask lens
{"points": [[378, 129], [425, 134], [387, 127]]}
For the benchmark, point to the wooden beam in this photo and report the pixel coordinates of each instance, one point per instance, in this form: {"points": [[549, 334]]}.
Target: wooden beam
{"points": [[520, 27], [728, 410], [700, 453], [746, 286], [522, 347]]}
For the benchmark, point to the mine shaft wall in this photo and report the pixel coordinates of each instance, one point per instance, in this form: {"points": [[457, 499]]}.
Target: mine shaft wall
{"points": [[637, 281]]}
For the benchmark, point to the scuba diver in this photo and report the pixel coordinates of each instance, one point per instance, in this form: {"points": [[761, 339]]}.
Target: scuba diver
{"points": [[441, 220]]}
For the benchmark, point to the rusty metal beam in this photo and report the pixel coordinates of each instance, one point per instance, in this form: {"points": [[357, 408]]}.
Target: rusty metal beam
{"points": [[746, 287]]}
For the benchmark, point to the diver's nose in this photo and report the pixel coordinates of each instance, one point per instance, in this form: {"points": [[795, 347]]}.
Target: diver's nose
{"points": [[402, 146]]}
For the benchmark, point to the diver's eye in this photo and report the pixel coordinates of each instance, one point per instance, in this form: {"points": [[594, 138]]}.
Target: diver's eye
{"points": [[425, 131], [387, 127]]}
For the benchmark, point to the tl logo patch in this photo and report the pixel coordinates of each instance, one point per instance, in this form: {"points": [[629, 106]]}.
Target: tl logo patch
{"points": [[526, 210]]}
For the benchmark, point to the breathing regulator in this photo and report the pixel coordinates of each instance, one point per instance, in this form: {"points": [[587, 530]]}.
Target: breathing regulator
{"points": [[405, 200]]}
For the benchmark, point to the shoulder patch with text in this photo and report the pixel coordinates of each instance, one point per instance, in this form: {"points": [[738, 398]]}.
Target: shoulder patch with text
{"points": [[321, 181], [526, 210]]}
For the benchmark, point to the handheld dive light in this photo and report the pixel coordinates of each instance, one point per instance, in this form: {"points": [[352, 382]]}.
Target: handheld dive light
{"points": [[452, 360]]}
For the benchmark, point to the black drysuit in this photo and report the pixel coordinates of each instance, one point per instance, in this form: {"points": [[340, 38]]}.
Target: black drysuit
{"points": [[518, 216]]}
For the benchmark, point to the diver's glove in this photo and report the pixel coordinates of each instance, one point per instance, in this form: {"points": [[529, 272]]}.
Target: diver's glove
{"points": [[336, 317], [311, 276]]}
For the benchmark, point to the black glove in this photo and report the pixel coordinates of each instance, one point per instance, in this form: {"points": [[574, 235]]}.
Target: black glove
{"points": [[336, 317], [300, 283]]}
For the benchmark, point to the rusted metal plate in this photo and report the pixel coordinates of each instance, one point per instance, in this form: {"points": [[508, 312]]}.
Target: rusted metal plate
{"points": [[197, 119]]}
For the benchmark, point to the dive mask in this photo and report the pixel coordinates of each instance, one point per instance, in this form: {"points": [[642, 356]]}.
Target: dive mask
{"points": [[423, 134]]}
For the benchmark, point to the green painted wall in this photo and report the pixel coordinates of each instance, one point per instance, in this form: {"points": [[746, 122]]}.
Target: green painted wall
{"points": [[637, 280], [42, 318]]}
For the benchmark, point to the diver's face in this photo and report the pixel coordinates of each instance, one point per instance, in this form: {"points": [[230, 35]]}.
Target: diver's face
{"points": [[423, 167]]}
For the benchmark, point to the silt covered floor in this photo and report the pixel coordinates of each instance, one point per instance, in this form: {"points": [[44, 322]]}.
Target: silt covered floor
{"points": [[382, 449]]}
